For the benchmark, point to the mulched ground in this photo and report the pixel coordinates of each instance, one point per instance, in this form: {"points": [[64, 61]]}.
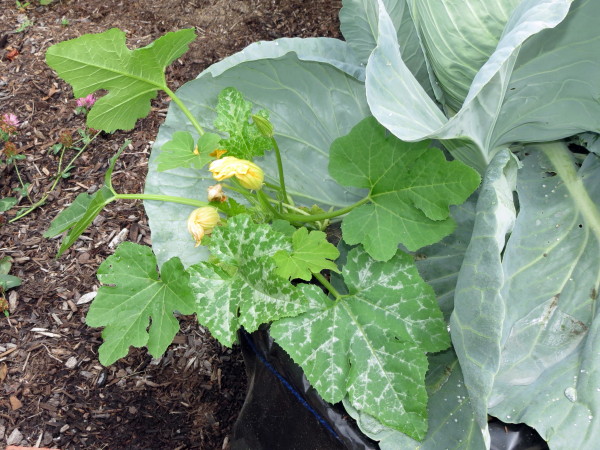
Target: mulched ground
{"points": [[53, 391]]}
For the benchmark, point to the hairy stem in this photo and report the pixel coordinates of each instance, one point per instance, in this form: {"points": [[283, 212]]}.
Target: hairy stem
{"points": [[327, 285], [280, 170], [265, 200], [324, 216], [162, 198]]}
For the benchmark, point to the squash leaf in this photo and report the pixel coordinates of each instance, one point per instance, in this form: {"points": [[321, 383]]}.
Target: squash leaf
{"points": [[411, 188], [131, 294], [371, 344], [311, 254], [131, 77], [243, 288]]}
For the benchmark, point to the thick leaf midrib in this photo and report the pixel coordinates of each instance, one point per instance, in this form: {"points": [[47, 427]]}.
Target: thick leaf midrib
{"points": [[361, 331], [133, 299], [161, 86]]}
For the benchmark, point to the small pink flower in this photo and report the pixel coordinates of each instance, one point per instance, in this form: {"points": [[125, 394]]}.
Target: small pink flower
{"points": [[86, 102], [11, 120]]}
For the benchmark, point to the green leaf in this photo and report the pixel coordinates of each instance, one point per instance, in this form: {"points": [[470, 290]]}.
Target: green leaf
{"points": [[70, 216], [7, 202], [182, 152], [440, 263], [7, 281], [458, 38], [233, 114], [245, 291], [371, 344], [359, 25], [477, 318], [451, 424], [328, 51], [230, 207], [311, 253], [549, 371], [284, 227], [77, 217], [411, 187], [133, 293], [5, 264], [131, 77]]}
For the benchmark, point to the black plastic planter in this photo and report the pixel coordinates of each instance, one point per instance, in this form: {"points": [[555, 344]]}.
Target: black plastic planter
{"points": [[283, 412]]}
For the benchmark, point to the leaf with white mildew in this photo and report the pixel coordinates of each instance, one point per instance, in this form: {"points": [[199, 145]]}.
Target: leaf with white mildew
{"points": [[243, 288], [371, 344]]}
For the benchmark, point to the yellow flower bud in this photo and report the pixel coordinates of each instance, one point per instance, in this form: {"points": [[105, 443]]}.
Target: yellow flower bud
{"points": [[217, 153], [249, 174], [202, 221], [216, 194]]}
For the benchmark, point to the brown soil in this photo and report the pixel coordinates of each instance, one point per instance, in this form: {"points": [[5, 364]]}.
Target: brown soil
{"points": [[53, 390]]}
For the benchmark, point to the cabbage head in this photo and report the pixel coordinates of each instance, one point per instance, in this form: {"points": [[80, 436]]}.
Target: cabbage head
{"points": [[458, 37]]}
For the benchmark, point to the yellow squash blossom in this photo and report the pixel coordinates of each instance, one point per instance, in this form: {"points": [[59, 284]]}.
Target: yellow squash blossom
{"points": [[202, 221], [249, 174]]}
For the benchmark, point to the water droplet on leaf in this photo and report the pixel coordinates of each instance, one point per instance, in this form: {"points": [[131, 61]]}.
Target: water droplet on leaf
{"points": [[571, 394]]}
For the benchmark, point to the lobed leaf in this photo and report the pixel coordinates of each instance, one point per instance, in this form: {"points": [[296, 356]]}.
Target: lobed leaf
{"points": [[311, 253], [131, 77], [233, 114], [135, 305], [451, 424], [371, 344], [181, 151], [230, 207], [244, 289], [410, 187]]}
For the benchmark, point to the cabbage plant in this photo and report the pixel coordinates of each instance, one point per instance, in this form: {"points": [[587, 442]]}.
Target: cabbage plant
{"points": [[509, 88]]}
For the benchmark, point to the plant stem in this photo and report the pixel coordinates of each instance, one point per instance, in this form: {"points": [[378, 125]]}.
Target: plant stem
{"points": [[59, 175], [21, 180], [280, 170], [162, 198], [288, 206], [239, 190], [562, 160], [324, 216], [327, 285], [185, 110], [265, 201]]}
